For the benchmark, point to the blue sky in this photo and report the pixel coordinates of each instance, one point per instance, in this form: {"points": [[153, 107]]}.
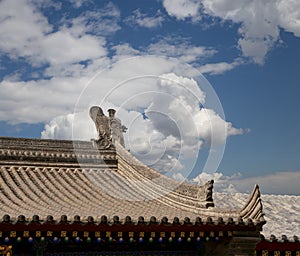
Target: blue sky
{"points": [[249, 52]]}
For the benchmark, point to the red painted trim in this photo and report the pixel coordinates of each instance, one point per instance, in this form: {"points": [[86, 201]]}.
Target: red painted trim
{"points": [[278, 246]]}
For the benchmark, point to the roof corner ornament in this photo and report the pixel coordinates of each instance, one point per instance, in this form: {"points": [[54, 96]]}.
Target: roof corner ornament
{"points": [[253, 209], [209, 190], [205, 193], [109, 128]]}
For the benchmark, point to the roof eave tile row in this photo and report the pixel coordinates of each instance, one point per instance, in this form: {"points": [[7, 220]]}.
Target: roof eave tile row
{"points": [[208, 224]]}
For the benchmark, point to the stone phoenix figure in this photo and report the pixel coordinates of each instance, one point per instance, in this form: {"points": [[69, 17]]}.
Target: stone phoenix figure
{"points": [[102, 123]]}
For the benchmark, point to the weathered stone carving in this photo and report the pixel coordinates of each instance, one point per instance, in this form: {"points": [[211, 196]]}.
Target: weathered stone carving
{"points": [[109, 128], [209, 190], [205, 193], [102, 123], [116, 128]]}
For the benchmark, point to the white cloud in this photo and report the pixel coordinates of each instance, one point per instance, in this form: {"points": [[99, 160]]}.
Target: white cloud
{"points": [[260, 22], [175, 126], [41, 100], [142, 20], [289, 15], [59, 128], [183, 87], [124, 51], [180, 49], [26, 33], [213, 128], [62, 127], [47, 4], [62, 47], [222, 183], [78, 3], [219, 68], [38, 101], [102, 22], [284, 183], [21, 28], [183, 9]]}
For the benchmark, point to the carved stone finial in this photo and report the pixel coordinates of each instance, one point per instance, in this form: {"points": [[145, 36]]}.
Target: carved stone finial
{"points": [[116, 128], [209, 190], [205, 193], [102, 123], [109, 128]]}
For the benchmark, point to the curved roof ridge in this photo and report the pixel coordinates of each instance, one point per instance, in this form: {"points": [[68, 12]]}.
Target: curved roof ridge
{"points": [[253, 209], [182, 193]]}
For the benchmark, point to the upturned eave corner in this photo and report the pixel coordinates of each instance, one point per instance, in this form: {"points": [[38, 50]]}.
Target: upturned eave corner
{"points": [[253, 209]]}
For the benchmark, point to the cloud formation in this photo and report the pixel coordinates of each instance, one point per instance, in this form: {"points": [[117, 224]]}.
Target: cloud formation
{"points": [[143, 20], [259, 21], [180, 49], [219, 68], [26, 33], [100, 22], [165, 113], [183, 9]]}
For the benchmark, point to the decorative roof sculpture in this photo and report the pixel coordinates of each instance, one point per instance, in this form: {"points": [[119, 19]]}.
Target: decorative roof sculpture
{"points": [[109, 128], [116, 127], [102, 123]]}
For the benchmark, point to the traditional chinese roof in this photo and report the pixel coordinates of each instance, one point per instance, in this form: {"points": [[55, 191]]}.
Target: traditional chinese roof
{"points": [[53, 178]]}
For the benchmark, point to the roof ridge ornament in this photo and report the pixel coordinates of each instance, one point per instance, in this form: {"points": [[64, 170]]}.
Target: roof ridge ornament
{"points": [[253, 209], [104, 137], [109, 128]]}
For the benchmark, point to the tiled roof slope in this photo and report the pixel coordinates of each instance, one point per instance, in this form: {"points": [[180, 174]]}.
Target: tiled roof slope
{"points": [[56, 177]]}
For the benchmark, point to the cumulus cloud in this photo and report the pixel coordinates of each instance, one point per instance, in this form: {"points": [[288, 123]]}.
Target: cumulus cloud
{"points": [[222, 183], [289, 16], [21, 28], [180, 49], [183, 9], [62, 47], [59, 128], [165, 114], [143, 20], [38, 101], [62, 127], [26, 33], [259, 21], [62, 60]]}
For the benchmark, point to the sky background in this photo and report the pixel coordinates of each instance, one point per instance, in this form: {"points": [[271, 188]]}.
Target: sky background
{"points": [[57, 58]]}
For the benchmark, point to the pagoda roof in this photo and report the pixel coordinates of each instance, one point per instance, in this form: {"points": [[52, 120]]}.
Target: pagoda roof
{"points": [[59, 179]]}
